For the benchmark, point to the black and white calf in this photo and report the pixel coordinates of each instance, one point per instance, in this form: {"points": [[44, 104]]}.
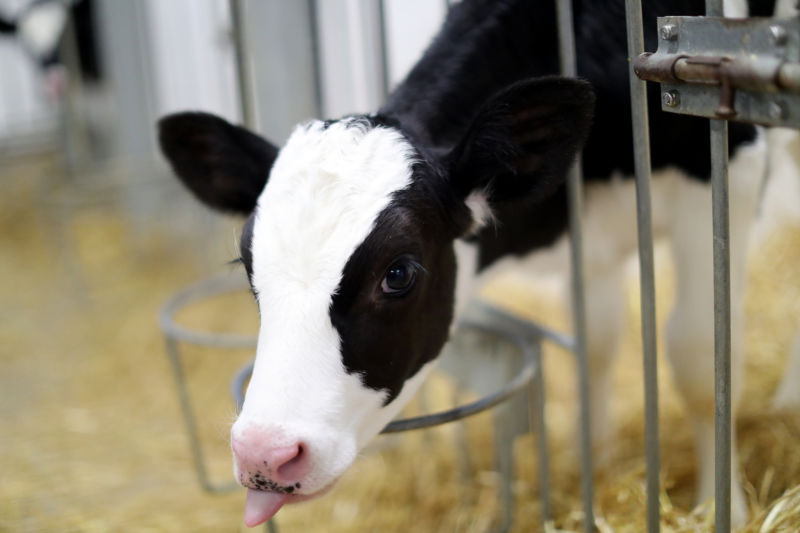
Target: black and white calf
{"points": [[366, 234]]}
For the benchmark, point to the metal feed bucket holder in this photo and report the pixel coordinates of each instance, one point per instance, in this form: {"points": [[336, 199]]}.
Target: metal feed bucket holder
{"points": [[715, 76], [523, 373]]}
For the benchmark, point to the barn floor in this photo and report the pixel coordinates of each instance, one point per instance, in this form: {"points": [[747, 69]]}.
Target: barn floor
{"points": [[91, 437]]}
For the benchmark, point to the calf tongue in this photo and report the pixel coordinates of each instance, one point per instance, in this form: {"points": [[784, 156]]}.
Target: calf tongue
{"points": [[261, 506]]}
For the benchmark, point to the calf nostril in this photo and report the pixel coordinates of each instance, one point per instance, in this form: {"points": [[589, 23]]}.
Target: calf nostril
{"points": [[295, 467]]}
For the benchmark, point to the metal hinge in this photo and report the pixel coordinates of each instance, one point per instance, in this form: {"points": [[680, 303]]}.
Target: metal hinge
{"points": [[746, 70]]}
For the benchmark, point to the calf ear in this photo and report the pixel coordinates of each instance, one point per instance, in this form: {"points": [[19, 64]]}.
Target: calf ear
{"points": [[225, 166], [522, 141]]}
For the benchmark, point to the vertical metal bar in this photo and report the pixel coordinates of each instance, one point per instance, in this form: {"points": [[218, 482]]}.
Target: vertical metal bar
{"points": [[566, 40], [722, 314], [244, 72], [313, 28], [641, 152], [504, 461], [385, 81], [536, 396], [722, 324], [189, 419]]}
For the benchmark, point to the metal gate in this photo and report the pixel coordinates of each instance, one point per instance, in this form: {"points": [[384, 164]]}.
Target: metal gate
{"points": [[718, 69]]}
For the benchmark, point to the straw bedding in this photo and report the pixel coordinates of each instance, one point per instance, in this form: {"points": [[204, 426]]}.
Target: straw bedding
{"points": [[91, 437]]}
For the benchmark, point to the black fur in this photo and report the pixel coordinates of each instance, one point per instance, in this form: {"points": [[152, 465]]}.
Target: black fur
{"points": [[522, 141], [7, 26], [486, 45], [519, 145], [387, 339]]}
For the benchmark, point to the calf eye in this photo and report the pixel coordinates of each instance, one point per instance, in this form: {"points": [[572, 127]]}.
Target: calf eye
{"points": [[399, 277]]}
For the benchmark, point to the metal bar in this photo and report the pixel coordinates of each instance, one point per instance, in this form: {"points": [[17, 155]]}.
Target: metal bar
{"points": [[520, 381], [722, 324], [566, 39], [504, 463], [539, 424], [722, 314], [244, 73], [198, 457], [529, 330], [313, 28], [714, 8], [756, 73], [385, 81], [526, 374], [203, 289], [641, 151]]}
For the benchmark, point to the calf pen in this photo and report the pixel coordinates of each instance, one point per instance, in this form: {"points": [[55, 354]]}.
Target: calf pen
{"points": [[699, 78]]}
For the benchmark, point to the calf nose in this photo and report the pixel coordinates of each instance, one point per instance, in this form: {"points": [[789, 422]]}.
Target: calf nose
{"points": [[268, 461]]}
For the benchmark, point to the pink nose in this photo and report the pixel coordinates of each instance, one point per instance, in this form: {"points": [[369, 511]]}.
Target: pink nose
{"points": [[267, 461]]}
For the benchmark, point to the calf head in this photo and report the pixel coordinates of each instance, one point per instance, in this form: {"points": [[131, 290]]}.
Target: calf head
{"points": [[349, 248]]}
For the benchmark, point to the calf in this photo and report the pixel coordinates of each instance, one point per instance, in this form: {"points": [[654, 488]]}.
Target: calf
{"points": [[365, 234]]}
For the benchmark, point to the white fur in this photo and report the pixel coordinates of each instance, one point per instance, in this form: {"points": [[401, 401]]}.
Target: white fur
{"points": [[326, 189], [478, 204], [41, 27], [782, 202]]}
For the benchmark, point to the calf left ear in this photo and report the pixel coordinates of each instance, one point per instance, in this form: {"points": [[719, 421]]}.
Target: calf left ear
{"points": [[225, 166], [523, 140]]}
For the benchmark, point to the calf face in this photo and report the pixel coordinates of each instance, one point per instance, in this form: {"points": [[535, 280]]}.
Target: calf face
{"points": [[349, 252]]}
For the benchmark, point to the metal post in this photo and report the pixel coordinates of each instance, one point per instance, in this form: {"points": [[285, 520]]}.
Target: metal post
{"points": [[722, 324], [504, 461], [198, 457], [313, 28], [385, 88], [722, 314], [641, 151], [536, 396], [566, 40], [244, 72]]}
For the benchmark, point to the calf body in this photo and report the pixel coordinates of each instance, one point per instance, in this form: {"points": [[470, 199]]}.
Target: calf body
{"points": [[364, 233]]}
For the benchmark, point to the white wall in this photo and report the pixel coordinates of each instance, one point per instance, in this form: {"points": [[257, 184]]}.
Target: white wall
{"points": [[193, 59], [410, 27], [349, 36], [172, 55]]}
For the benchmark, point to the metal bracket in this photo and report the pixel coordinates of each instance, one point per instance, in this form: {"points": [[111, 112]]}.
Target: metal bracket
{"points": [[746, 70]]}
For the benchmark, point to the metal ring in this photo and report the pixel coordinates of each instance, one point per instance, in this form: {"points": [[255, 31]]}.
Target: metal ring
{"points": [[213, 286], [519, 333], [514, 386]]}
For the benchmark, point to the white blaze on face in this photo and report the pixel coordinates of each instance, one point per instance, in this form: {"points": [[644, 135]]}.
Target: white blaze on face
{"points": [[325, 191]]}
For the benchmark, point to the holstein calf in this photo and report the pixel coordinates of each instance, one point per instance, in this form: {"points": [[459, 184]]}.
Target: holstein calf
{"points": [[362, 231]]}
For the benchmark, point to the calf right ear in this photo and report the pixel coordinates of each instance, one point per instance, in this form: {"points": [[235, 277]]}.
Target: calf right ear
{"points": [[225, 166], [523, 140]]}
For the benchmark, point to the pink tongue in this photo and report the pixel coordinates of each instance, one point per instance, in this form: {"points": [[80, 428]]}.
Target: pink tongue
{"points": [[261, 506]]}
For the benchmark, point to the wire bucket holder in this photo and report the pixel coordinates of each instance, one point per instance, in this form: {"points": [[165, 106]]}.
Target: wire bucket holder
{"points": [[523, 376]]}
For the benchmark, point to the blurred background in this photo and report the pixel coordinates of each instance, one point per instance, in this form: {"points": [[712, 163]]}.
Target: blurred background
{"points": [[95, 236]]}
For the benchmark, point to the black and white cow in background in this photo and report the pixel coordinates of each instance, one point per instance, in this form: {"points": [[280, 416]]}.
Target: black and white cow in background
{"points": [[372, 230]]}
